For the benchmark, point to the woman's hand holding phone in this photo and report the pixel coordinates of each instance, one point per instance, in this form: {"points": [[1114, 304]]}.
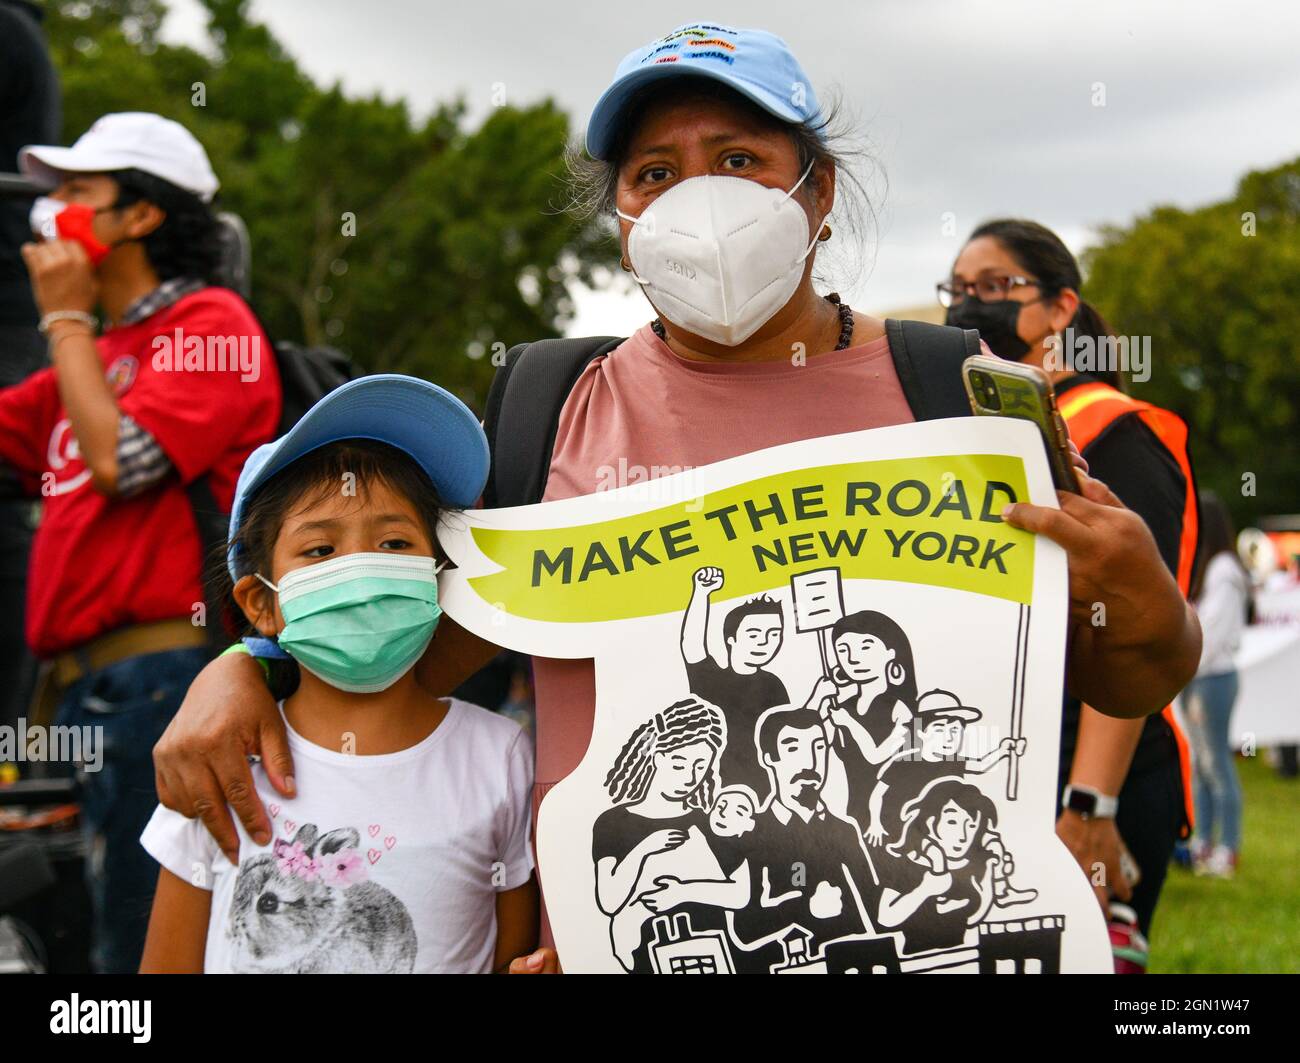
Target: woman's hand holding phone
{"points": [[998, 388], [1134, 640]]}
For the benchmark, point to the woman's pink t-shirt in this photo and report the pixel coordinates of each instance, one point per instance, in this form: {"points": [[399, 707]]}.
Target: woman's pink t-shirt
{"points": [[641, 411]]}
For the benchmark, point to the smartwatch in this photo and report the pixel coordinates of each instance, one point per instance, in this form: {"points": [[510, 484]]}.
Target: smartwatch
{"points": [[1089, 803]]}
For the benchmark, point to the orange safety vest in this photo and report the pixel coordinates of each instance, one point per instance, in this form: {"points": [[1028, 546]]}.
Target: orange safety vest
{"points": [[1089, 410]]}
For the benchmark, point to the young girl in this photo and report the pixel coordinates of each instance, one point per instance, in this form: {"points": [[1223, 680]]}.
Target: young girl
{"points": [[406, 846]]}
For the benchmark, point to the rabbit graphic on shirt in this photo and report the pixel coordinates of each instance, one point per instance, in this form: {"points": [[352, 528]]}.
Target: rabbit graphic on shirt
{"points": [[308, 907]]}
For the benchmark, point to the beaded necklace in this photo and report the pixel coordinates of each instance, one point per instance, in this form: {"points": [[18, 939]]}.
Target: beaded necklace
{"points": [[846, 322]]}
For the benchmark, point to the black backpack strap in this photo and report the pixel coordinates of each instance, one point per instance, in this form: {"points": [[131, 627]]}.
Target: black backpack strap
{"points": [[928, 360], [532, 384], [527, 394], [212, 525]]}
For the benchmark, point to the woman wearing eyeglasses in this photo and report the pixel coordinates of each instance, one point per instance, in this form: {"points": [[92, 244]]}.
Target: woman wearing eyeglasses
{"points": [[1124, 783]]}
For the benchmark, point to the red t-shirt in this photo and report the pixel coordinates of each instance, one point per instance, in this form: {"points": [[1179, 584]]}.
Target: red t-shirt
{"points": [[101, 563]]}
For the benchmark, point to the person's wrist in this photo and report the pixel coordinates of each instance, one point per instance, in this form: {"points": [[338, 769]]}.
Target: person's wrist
{"points": [[64, 326], [1089, 803], [57, 335], [57, 320]]}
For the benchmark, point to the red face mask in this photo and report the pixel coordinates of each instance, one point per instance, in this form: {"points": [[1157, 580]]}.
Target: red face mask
{"points": [[52, 219]]}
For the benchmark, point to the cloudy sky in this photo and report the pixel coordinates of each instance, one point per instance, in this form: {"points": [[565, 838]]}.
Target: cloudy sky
{"points": [[968, 107]]}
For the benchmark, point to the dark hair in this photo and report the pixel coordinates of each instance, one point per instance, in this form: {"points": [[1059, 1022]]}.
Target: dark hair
{"points": [[1217, 536], [313, 477], [777, 720], [188, 242], [930, 803], [760, 606], [681, 724], [884, 628], [1041, 252], [826, 141]]}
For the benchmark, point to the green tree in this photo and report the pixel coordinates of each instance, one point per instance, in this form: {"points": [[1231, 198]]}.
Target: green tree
{"points": [[415, 246], [1218, 291]]}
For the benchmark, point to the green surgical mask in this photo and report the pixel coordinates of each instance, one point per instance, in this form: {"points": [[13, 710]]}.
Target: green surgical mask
{"points": [[360, 621]]}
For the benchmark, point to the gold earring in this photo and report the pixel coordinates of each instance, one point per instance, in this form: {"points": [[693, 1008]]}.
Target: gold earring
{"points": [[825, 234]]}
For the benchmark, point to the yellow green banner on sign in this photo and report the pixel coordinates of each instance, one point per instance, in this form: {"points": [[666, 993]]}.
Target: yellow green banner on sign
{"points": [[929, 520]]}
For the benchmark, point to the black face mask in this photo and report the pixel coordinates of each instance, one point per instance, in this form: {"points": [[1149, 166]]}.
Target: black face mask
{"points": [[996, 323]]}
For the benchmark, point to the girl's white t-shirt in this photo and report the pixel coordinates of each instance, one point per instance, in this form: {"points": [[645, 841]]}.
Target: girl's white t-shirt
{"points": [[382, 864]]}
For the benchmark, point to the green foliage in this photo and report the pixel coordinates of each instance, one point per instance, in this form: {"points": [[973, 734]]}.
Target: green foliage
{"points": [[1252, 923], [1222, 308], [459, 241]]}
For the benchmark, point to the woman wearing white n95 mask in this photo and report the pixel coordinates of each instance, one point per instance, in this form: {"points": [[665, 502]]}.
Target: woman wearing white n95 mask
{"points": [[720, 208], [721, 254], [710, 150]]}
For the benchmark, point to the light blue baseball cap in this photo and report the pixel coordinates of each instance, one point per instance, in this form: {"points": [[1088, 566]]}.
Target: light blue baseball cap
{"points": [[757, 64], [438, 431]]}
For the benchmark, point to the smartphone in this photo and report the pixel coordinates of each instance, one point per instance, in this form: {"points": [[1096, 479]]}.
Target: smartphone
{"points": [[998, 388]]}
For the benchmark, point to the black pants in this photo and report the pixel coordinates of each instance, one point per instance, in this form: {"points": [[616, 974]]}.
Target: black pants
{"points": [[128, 705], [1150, 814], [1149, 819]]}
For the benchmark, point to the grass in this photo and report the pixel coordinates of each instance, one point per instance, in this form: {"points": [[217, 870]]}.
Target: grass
{"points": [[1251, 923]]}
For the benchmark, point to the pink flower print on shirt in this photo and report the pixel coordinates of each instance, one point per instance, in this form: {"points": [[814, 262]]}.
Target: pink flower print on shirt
{"points": [[293, 859], [294, 910], [343, 868]]}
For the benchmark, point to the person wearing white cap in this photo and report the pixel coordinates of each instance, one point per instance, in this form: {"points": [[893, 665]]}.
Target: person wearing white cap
{"points": [[713, 156], [114, 436]]}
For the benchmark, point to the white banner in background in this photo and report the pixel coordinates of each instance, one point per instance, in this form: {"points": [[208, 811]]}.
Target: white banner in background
{"points": [[1267, 712]]}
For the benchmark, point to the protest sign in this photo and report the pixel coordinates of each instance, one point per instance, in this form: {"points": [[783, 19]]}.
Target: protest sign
{"points": [[828, 701]]}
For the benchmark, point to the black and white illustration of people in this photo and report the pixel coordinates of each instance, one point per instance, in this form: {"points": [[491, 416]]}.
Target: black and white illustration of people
{"points": [[841, 765]]}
